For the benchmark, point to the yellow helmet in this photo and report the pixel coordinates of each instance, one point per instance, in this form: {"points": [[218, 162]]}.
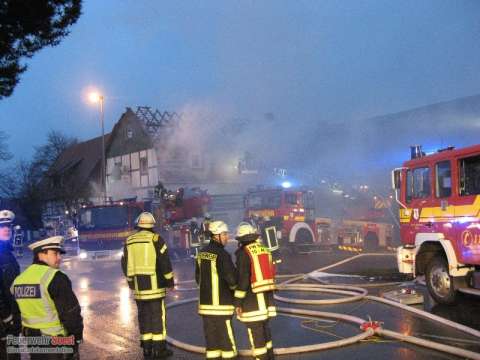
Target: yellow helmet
{"points": [[245, 228], [145, 220], [217, 227]]}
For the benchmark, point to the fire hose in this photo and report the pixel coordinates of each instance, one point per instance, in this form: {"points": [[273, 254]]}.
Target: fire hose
{"points": [[349, 293]]}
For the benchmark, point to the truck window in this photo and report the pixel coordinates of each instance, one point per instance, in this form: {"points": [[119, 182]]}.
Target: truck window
{"points": [[469, 176], [291, 198], [408, 195], [443, 179], [418, 183]]}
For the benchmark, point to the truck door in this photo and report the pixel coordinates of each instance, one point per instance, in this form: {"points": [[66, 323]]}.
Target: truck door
{"points": [[418, 198], [467, 211], [441, 211]]}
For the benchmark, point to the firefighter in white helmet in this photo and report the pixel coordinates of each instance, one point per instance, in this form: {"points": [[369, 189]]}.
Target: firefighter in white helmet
{"points": [[9, 270], [254, 294], [216, 278], [148, 270]]}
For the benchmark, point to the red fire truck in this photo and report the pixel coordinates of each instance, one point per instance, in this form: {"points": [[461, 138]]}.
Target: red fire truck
{"points": [[360, 235], [106, 227], [439, 196], [292, 212]]}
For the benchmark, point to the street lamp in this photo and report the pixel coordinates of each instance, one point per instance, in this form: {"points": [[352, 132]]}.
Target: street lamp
{"points": [[98, 98]]}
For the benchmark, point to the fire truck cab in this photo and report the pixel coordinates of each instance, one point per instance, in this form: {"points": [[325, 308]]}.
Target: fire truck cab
{"points": [[292, 212], [439, 198]]}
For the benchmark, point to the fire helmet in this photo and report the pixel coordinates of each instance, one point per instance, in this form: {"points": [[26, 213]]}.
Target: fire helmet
{"points": [[243, 229], [6, 217], [217, 227], [145, 220]]}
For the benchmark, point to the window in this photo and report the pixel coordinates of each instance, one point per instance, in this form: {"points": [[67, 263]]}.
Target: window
{"points": [[443, 180], [143, 166], [418, 183], [470, 176], [291, 198]]}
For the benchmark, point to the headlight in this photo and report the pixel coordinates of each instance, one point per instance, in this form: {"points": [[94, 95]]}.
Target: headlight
{"points": [[83, 255], [120, 254]]}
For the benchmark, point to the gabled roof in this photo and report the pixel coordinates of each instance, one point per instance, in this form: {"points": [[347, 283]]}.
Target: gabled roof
{"points": [[79, 161]]}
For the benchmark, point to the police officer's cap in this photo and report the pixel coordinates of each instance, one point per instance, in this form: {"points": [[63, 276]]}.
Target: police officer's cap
{"points": [[51, 243], [6, 217]]}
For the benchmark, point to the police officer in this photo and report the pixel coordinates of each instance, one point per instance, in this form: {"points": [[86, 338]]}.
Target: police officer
{"points": [[147, 266], [46, 300], [216, 276], [9, 270], [254, 294]]}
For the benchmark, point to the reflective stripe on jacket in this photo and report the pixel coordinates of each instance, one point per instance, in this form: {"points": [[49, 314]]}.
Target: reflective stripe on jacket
{"points": [[142, 269], [262, 274], [37, 308], [216, 276]]}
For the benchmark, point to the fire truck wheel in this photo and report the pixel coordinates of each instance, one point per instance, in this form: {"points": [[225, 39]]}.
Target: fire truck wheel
{"points": [[439, 282], [303, 236]]}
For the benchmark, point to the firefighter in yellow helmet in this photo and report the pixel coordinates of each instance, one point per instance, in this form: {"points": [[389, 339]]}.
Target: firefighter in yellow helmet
{"points": [[148, 270], [254, 294], [216, 277], [47, 303]]}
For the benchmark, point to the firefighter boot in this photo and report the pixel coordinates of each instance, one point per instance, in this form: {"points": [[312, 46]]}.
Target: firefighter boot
{"points": [[147, 347], [160, 350]]}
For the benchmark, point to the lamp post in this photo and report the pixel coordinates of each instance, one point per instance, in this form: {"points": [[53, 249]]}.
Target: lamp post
{"points": [[98, 98]]}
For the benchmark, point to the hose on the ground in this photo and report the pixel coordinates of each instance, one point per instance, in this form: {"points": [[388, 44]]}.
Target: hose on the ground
{"points": [[352, 293]]}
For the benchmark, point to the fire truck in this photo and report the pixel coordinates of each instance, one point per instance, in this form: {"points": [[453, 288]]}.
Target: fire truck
{"points": [[293, 214], [439, 198], [360, 235], [106, 227]]}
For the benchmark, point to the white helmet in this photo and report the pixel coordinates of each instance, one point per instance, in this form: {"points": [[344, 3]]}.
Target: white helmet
{"points": [[217, 227], [145, 220], [6, 217], [245, 228]]}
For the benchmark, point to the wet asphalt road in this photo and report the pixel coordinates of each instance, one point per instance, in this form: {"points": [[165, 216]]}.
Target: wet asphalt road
{"points": [[111, 328]]}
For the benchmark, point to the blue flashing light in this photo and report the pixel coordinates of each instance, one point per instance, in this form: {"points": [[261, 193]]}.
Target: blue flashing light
{"points": [[286, 184]]}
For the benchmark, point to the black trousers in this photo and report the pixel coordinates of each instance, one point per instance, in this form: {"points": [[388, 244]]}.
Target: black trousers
{"points": [[219, 339], [3, 352], [152, 323], [260, 339]]}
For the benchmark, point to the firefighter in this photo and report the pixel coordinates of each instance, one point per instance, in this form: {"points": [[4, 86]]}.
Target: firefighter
{"points": [[216, 277], [204, 229], [9, 270], [148, 270], [254, 294], [47, 303]]}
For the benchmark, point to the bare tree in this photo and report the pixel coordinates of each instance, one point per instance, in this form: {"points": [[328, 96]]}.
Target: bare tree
{"points": [[24, 181], [4, 153]]}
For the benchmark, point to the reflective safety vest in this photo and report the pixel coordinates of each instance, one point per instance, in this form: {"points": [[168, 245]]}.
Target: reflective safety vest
{"points": [[262, 269], [37, 308], [142, 266]]}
